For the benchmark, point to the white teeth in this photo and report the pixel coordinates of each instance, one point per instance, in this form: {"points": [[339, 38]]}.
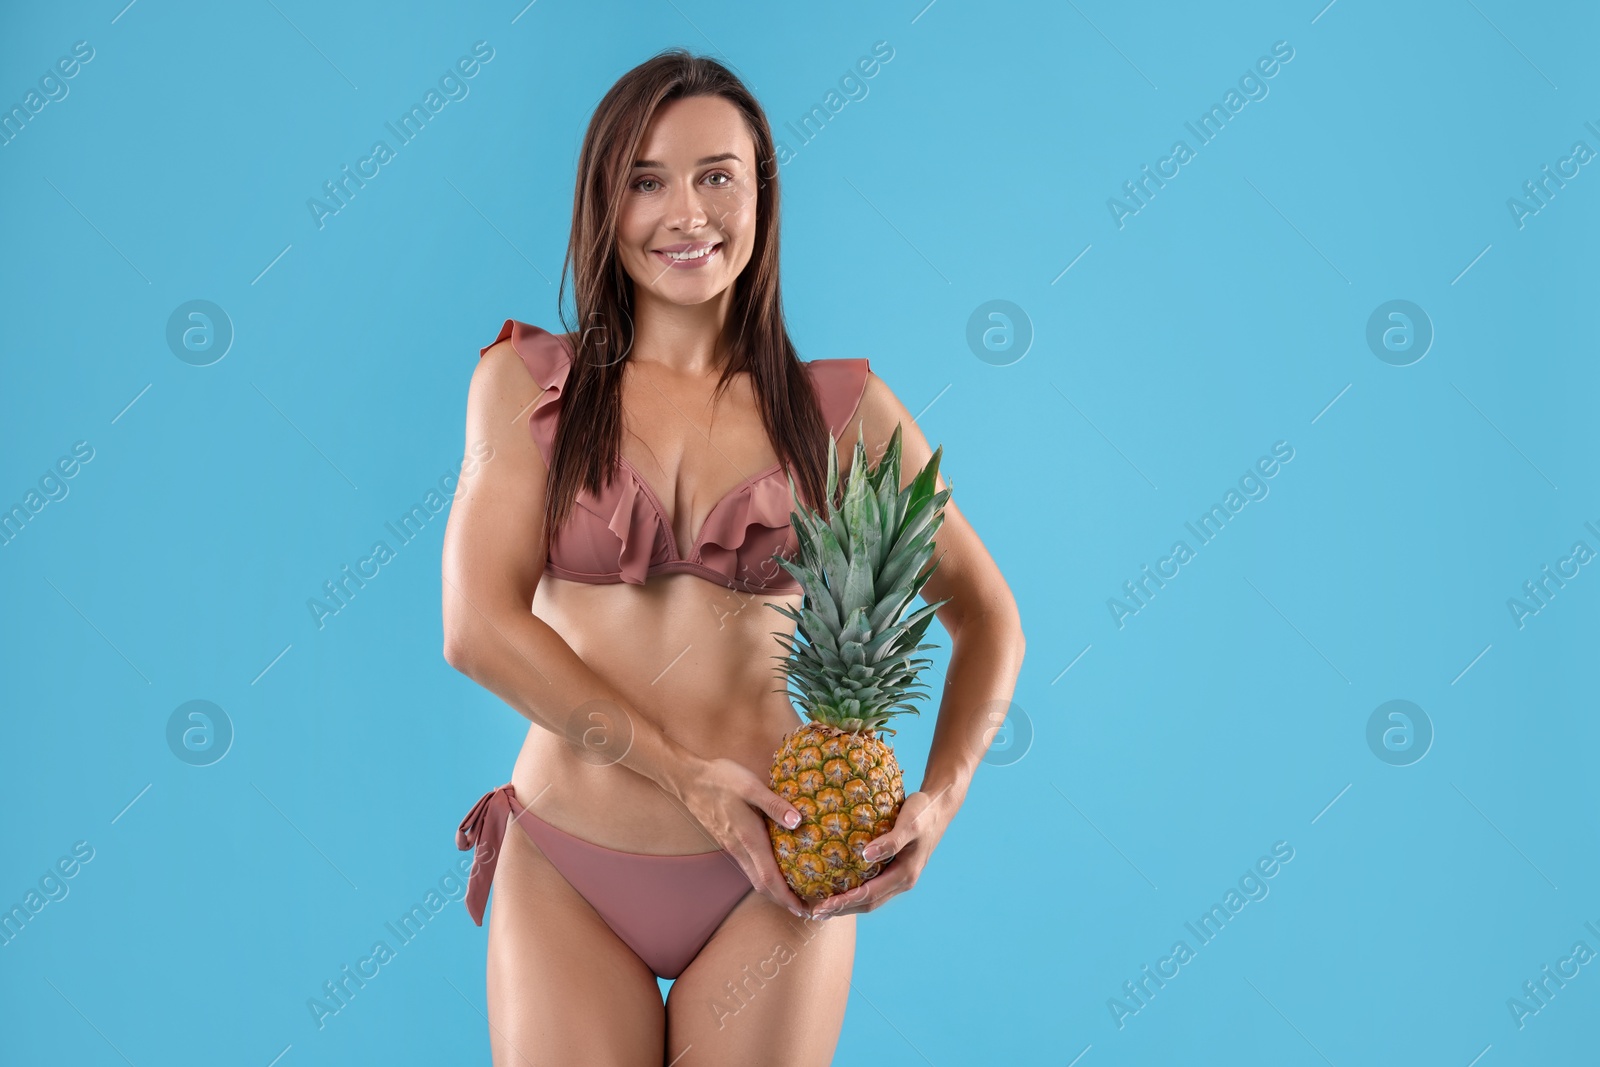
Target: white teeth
{"points": [[691, 255]]}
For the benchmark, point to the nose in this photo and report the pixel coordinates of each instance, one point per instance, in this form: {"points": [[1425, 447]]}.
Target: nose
{"points": [[684, 208]]}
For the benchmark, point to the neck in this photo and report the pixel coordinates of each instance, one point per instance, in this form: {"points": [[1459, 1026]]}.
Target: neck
{"points": [[686, 339]]}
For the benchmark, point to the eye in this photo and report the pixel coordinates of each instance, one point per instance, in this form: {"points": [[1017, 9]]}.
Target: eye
{"points": [[729, 180]]}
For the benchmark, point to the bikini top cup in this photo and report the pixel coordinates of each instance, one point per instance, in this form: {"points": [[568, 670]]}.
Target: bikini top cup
{"points": [[625, 534]]}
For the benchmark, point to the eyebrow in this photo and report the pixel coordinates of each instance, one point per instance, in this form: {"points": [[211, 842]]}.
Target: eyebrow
{"points": [[699, 162]]}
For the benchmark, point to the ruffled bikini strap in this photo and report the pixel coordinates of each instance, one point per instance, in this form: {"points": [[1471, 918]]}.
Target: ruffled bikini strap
{"points": [[548, 360], [840, 384]]}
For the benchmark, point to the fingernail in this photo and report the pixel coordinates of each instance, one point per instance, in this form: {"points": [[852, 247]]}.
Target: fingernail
{"points": [[791, 820]]}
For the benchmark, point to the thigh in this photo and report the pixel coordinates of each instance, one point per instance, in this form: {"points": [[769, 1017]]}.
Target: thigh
{"points": [[767, 988], [562, 987]]}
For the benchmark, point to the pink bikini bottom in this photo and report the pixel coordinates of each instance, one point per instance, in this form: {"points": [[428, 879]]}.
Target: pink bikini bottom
{"points": [[665, 908]]}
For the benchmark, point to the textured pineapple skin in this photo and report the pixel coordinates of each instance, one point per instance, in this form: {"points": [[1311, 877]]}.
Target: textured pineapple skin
{"points": [[848, 791]]}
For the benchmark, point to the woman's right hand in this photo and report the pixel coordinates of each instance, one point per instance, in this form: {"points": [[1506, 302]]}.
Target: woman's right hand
{"points": [[729, 800]]}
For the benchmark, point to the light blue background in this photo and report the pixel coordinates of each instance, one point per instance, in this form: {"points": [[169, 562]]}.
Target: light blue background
{"points": [[1228, 314]]}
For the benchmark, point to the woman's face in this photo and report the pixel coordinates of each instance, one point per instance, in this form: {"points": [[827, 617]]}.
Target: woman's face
{"points": [[692, 188]]}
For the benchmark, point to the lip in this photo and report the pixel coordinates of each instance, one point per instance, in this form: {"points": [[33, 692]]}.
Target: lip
{"points": [[687, 246]]}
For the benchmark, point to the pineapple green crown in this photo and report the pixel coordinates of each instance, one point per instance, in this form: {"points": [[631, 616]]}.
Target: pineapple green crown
{"points": [[860, 566]]}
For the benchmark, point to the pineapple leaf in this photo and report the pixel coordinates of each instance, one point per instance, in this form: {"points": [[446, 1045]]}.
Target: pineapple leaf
{"points": [[922, 485], [861, 559], [889, 515], [835, 564], [858, 579], [833, 473], [921, 513], [898, 563], [817, 630], [855, 628], [873, 543], [888, 469]]}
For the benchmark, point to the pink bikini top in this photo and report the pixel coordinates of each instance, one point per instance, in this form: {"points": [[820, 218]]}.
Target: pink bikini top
{"points": [[625, 534]]}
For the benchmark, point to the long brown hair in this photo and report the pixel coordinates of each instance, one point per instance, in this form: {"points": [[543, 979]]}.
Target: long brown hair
{"points": [[589, 429]]}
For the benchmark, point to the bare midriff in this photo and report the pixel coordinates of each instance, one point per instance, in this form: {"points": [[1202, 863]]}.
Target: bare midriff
{"points": [[694, 659]]}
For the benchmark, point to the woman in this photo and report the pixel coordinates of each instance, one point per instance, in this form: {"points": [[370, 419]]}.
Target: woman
{"points": [[673, 418]]}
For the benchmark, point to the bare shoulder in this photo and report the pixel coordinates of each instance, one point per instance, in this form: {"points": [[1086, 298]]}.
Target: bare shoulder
{"points": [[542, 361], [966, 576], [874, 421], [502, 388], [501, 367]]}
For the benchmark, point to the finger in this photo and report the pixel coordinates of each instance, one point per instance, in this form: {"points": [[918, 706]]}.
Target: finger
{"points": [[870, 902], [835, 903], [775, 887], [885, 848], [778, 809], [834, 907], [866, 897], [758, 796], [761, 868], [889, 845], [785, 898], [754, 792]]}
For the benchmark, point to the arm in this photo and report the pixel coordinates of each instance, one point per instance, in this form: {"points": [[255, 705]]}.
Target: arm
{"points": [[987, 647], [493, 558]]}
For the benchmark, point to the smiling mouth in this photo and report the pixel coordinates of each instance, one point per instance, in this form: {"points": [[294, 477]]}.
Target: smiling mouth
{"points": [[692, 256]]}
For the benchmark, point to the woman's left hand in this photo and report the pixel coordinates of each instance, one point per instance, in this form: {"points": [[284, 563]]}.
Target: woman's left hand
{"points": [[917, 829]]}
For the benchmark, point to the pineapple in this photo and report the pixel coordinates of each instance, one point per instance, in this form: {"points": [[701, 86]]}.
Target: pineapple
{"points": [[859, 568]]}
